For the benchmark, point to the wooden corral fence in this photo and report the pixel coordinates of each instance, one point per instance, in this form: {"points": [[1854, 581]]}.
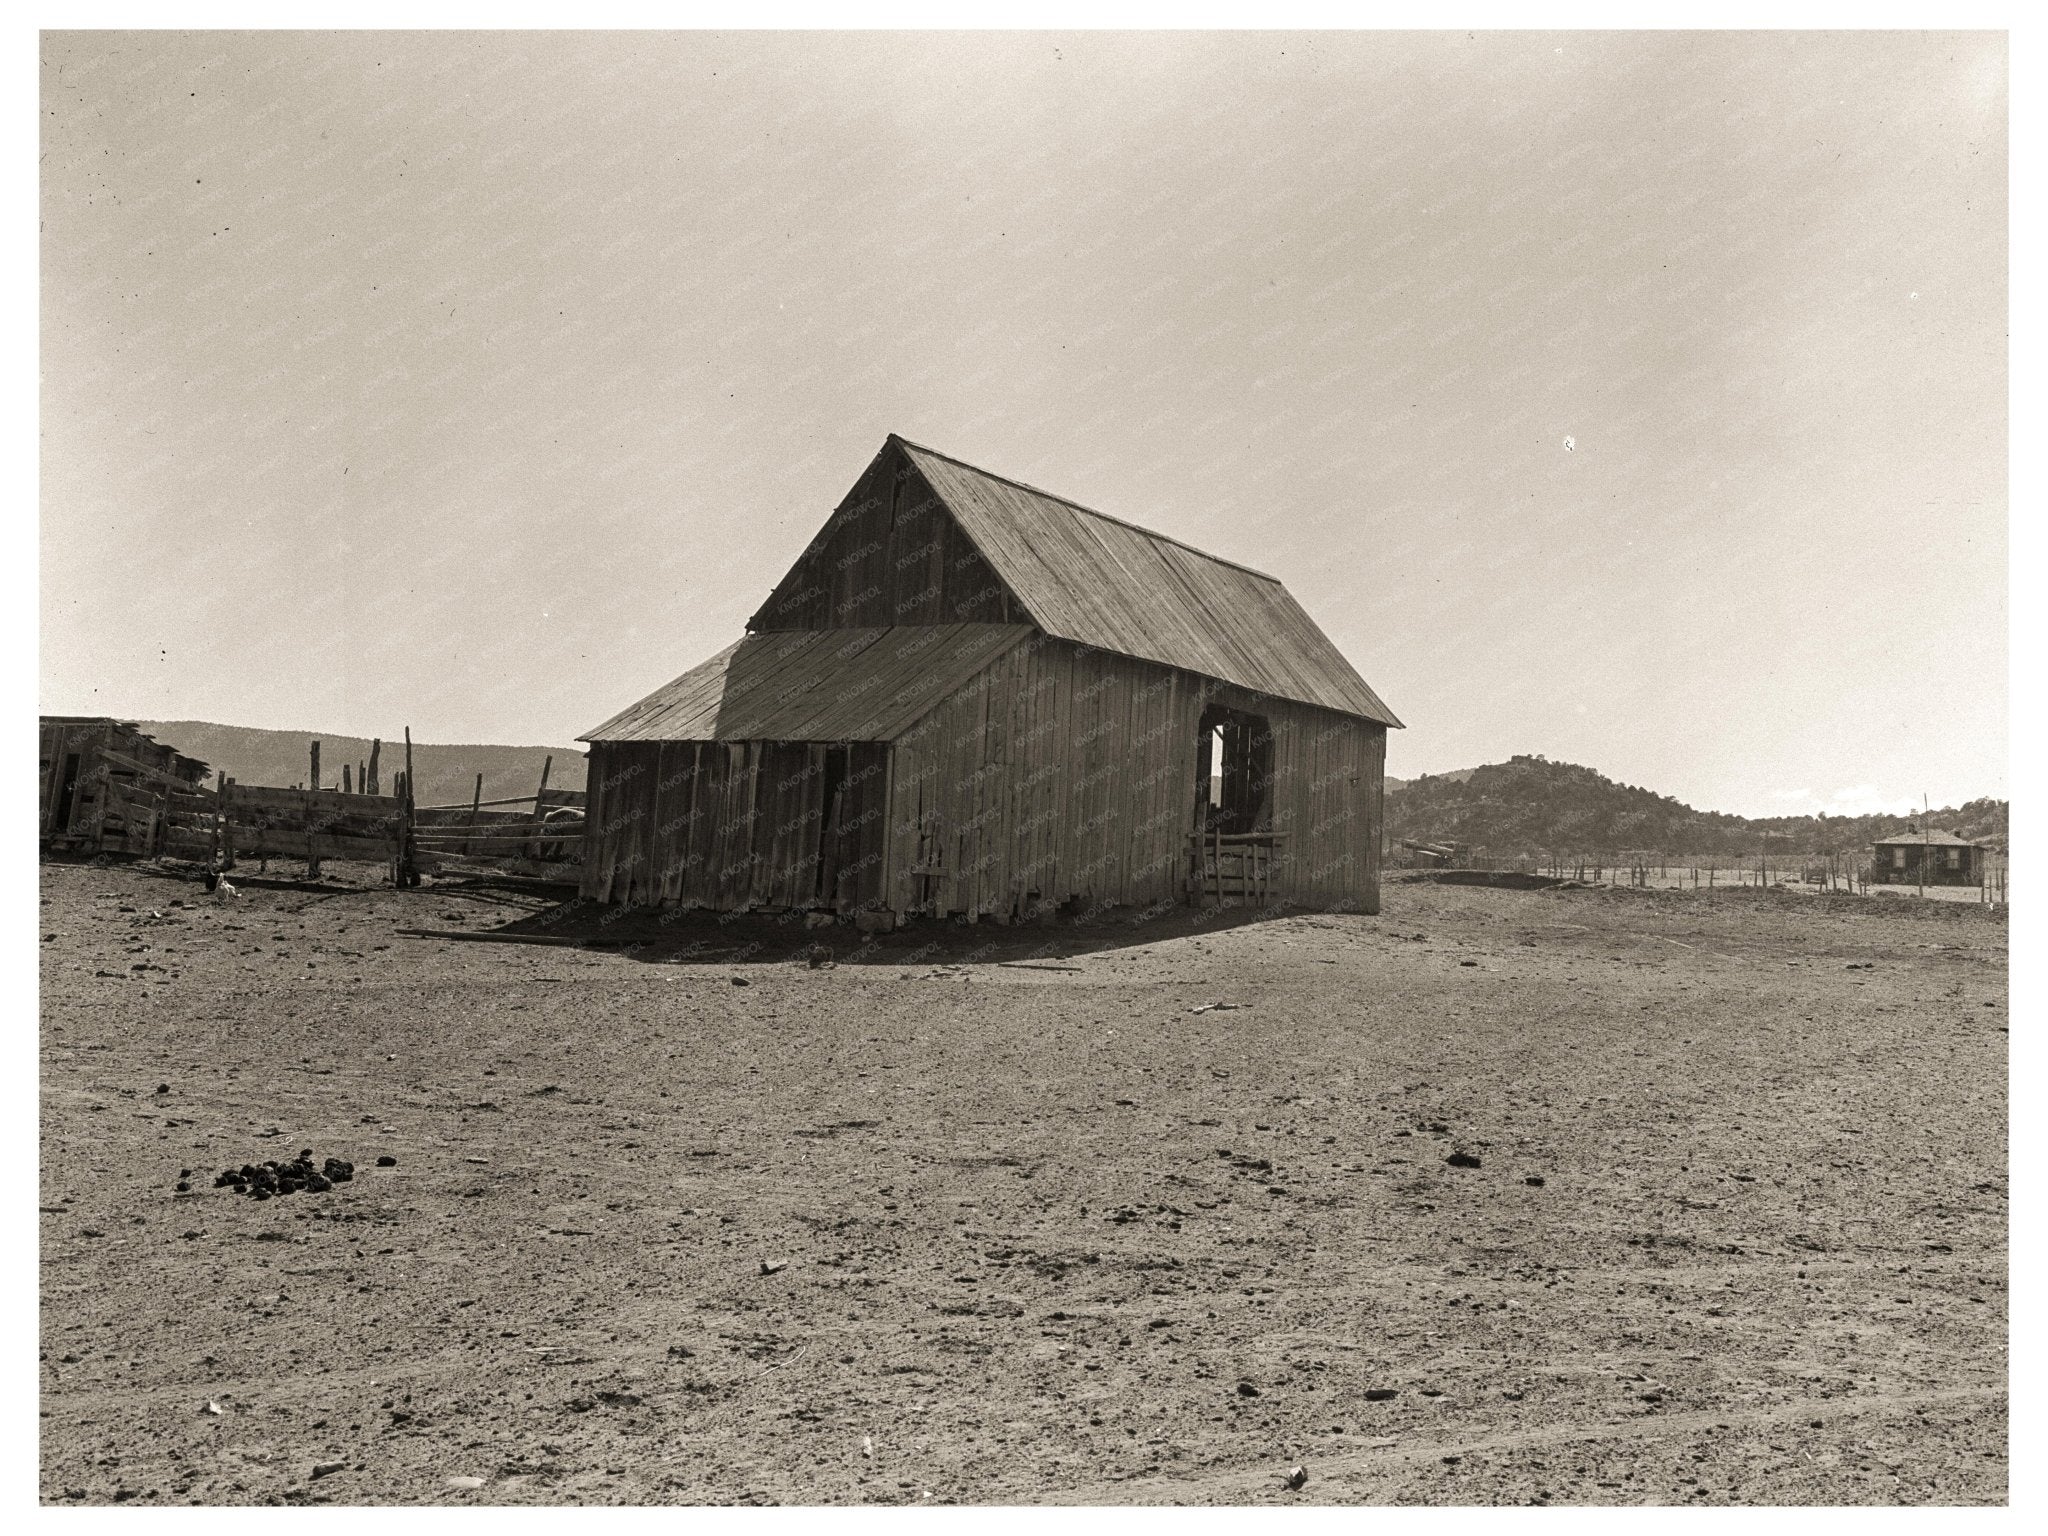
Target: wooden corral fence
{"points": [[543, 839], [130, 806]]}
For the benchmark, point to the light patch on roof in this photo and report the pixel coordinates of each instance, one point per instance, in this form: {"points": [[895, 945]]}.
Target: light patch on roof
{"points": [[815, 685]]}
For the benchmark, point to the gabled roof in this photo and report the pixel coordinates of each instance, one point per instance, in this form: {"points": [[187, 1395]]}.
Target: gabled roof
{"points": [[1931, 839], [815, 685], [1099, 581]]}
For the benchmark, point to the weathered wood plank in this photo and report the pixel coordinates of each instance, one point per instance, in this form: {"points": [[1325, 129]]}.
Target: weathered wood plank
{"points": [[141, 770], [326, 802], [285, 842]]}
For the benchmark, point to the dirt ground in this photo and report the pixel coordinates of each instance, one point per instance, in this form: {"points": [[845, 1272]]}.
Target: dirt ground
{"points": [[1008, 1215]]}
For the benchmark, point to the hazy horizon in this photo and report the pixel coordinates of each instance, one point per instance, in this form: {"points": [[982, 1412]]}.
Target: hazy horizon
{"points": [[483, 382], [317, 733]]}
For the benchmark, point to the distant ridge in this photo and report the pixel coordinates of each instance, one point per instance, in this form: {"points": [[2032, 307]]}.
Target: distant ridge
{"points": [[1533, 805], [1455, 775], [447, 774]]}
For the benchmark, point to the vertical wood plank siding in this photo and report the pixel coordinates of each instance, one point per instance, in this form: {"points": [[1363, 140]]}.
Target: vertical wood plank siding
{"points": [[1062, 774], [891, 554], [733, 825]]}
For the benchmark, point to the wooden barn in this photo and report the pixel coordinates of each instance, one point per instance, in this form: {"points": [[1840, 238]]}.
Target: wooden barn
{"points": [[1949, 860], [970, 697], [82, 755]]}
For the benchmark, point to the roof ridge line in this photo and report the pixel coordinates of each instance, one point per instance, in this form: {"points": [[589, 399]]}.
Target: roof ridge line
{"points": [[1107, 517]]}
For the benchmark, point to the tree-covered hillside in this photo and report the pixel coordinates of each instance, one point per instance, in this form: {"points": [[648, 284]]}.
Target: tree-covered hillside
{"points": [[1533, 805]]}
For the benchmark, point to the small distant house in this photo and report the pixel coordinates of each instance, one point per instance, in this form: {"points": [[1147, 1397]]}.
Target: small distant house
{"points": [[81, 756], [1948, 859], [969, 697]]}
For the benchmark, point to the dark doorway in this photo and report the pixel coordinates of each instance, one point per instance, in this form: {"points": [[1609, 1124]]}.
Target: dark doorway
{"points": [[1234, 773], [830, 819], [67, 791]]}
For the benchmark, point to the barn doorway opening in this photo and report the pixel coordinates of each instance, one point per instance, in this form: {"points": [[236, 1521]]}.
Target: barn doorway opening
{"points": [[1233, 792], [838, 762]]}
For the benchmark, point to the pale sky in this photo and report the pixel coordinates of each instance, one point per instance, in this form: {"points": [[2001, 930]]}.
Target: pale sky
{"points": [[483, 382]]}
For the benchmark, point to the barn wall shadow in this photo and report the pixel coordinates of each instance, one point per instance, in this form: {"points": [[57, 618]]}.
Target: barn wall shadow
{"points": [[552, 916], [711, 938]]}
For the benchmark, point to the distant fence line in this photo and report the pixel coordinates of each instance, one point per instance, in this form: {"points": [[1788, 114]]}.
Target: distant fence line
{"points": [[1840, 871]]}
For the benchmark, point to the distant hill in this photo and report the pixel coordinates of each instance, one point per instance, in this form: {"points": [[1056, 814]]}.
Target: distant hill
{"points": [[1533, 805], [447, 774], [1454, 775]]}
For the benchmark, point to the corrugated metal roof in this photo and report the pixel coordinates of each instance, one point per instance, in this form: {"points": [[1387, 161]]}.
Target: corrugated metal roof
{"points": [[1932, 839], [1099, 581], [815, 685]]}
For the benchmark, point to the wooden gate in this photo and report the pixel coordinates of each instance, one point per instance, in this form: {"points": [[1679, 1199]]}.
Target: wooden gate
{"points": [[1232, 867]]}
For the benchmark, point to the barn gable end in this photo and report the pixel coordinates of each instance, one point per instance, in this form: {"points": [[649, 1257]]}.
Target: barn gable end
{"points": [[890, 554]]}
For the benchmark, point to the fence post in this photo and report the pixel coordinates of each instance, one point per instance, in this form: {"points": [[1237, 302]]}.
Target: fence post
{"points": [[227, 823], [539, 805], [409, 874], [220, 787], [313, 782], [398, 830]]}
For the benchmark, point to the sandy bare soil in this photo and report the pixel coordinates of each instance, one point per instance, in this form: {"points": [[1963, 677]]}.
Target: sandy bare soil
{"points": [[925, 1224]]}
